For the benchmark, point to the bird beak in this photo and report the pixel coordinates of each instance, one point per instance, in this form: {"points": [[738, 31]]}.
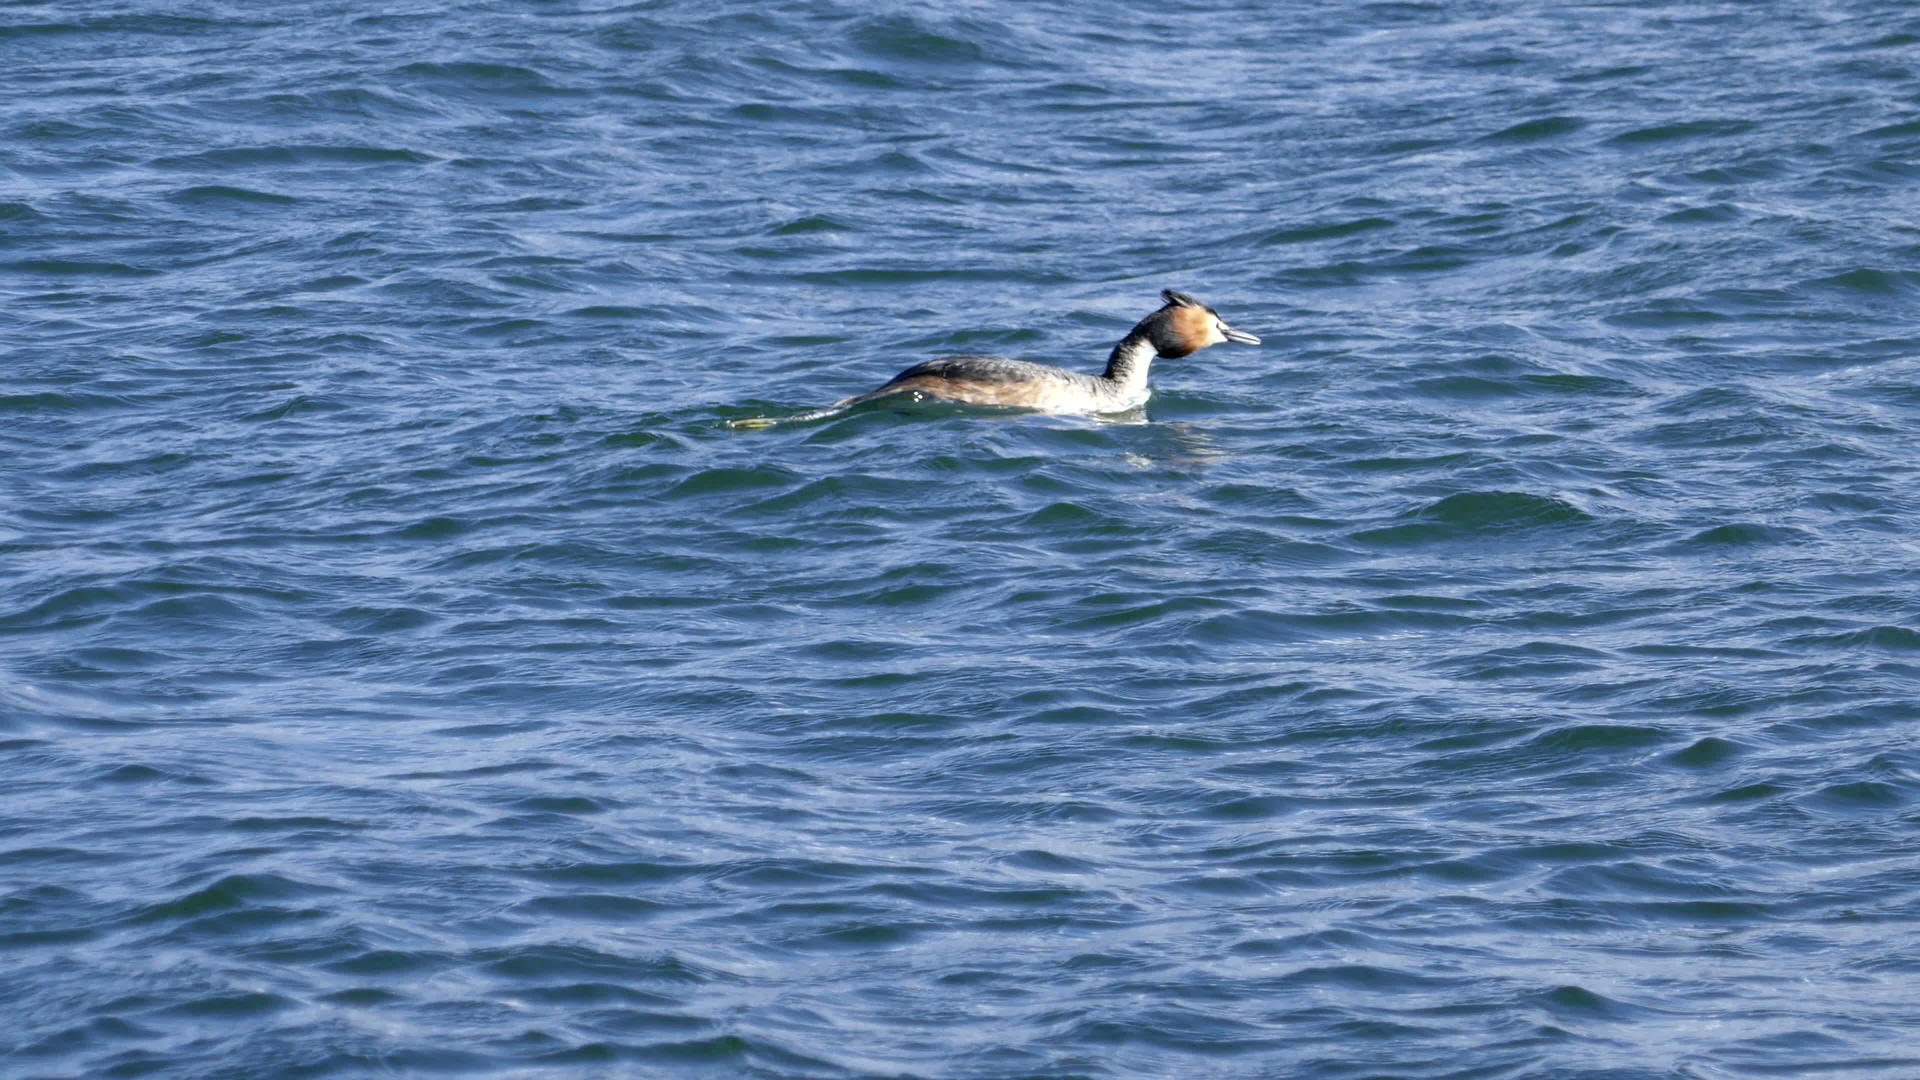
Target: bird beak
{"points": [[1239, 336]]}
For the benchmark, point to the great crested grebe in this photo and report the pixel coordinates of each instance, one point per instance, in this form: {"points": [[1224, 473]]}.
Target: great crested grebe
{"points": [[1182, 326]]}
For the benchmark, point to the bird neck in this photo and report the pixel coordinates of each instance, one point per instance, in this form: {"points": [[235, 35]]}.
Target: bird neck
{"points": [[1128, 364]]}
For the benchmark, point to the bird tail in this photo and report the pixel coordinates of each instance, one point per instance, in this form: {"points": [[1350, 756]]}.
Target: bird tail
{"points": [[758, 423]]}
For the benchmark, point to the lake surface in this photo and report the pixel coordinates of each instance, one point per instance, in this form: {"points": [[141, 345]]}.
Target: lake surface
{"points": [[1509, 669]]}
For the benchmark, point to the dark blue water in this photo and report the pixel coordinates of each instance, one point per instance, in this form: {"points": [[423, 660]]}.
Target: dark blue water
{"points": [[1507, 670]]}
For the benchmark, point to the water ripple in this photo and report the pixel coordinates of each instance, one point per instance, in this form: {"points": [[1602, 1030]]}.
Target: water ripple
{"points": [[1505, 670]]}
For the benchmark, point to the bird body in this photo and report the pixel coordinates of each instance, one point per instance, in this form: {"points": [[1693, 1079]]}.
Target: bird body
{"points": [[1180, 327]]}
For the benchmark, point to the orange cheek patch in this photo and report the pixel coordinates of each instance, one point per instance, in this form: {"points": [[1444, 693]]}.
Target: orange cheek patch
{"points": [[1193, 325]]}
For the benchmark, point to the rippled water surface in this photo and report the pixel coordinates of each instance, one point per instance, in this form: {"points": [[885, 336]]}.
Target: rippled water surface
{"points": [[1509, 669]]}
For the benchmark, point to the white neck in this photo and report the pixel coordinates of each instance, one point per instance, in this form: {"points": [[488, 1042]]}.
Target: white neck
{"points": [[1127, 367]]}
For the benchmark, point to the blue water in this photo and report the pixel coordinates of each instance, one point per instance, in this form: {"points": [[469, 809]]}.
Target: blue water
{"points": [[1509, 669]]}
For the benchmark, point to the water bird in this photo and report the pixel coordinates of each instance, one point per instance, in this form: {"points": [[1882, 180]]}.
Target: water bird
{"points": [[1181, 326]]}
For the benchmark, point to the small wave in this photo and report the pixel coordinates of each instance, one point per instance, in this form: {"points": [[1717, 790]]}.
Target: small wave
{"points": [[475, 73], [1338, 230], [904, 39], [1738, 535], [1529, 131], [1681, 132], [1252, 627], [1870, 281], [1862, 799], [246, 157], [77, 268], [1476, 514], [1898, 639], [223, 195]]}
